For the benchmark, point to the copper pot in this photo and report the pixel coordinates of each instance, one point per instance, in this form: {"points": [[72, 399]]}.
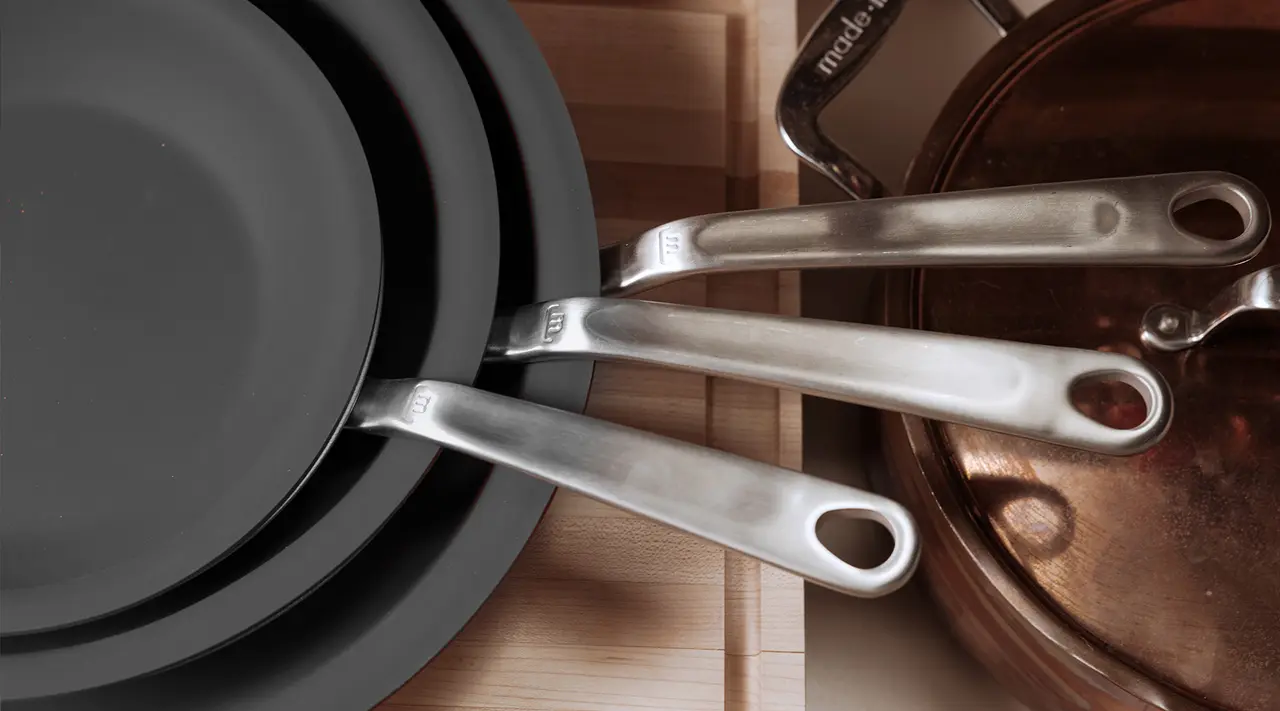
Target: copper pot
{"points": [[1098, 582], [1112, 582]]}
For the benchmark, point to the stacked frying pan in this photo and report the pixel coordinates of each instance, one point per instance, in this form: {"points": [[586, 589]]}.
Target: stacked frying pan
{"points": [[300, 298]]}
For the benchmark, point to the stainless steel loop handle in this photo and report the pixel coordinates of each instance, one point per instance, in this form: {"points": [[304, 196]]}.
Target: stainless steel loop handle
{"points": [[1015, 388], [1115, 221], [833, 53], [763, 511], [1172, 327]]}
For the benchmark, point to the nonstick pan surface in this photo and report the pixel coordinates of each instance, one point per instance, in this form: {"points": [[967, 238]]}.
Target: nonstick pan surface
{"points": [[191, 287], [385, 614], [438, 206]]}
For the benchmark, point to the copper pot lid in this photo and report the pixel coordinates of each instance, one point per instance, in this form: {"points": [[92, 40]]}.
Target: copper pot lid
{"points": [[1169, 560]]}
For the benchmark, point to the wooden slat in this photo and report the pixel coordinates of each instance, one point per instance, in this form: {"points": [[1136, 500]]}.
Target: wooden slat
{"points": [[577, 612], [645, 135], [617, 55], [782, 612], [654, 192], [729, 8], [625, 549], [651, 398], [566, 678], [783, 673], [764, 607]]}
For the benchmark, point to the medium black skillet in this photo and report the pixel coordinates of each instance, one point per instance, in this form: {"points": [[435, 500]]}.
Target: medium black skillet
{"points": [[192, 255]]}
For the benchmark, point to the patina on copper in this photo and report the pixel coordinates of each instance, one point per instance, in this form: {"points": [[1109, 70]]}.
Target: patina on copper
{"points": [[1085, 581]]}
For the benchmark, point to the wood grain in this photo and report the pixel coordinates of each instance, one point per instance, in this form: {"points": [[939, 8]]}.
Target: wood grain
{"points": [[672, 101]]}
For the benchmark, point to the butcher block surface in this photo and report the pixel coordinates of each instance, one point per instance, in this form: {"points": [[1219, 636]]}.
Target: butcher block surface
{"points": [[673, 102]]}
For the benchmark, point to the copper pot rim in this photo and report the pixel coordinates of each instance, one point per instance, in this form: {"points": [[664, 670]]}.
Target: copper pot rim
{"points": [[915, 447]]}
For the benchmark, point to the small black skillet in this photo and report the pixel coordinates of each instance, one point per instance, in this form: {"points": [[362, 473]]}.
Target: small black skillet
{"points": [[437, 205]]}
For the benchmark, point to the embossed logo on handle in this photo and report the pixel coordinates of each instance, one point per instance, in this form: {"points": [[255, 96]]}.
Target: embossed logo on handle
{"points": [[421, 398], [555, 323], [851, 30], [668, 245]]}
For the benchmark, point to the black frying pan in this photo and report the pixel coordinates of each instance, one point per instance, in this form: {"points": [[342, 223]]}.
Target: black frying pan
{"points": [[192, 256], [437, 206]]}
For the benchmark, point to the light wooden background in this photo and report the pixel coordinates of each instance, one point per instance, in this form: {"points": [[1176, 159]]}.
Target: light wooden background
{"points": [[673, 103]]}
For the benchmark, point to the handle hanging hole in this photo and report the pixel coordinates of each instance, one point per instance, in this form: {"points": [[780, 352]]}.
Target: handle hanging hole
{"points": [[1110, 399], [1213, 212], [855, 537]]}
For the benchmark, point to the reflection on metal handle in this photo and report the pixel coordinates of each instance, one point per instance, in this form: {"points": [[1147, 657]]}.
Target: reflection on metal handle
{"points": [[1009, 387], [1169, 327], [764, 511], [834, 52], [1116, 221]]}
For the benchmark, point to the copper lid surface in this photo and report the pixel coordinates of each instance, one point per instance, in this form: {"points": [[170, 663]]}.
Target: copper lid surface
{"points": [[1169, 560]]}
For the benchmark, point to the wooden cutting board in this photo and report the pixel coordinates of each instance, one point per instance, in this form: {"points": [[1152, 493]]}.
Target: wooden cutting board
{"points": [[673, 102]]}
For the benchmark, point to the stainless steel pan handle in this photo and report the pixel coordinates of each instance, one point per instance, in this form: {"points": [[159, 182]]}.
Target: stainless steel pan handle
{"points": [[764, 511], [833, 53], [1173, 327], [1009, 387], [1116, 221]]}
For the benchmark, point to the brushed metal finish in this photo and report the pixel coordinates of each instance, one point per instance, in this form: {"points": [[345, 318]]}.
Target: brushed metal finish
{"points": [[1014, 388], [1170, 327], [767, 512], [1114, 221], [831, 55]]}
